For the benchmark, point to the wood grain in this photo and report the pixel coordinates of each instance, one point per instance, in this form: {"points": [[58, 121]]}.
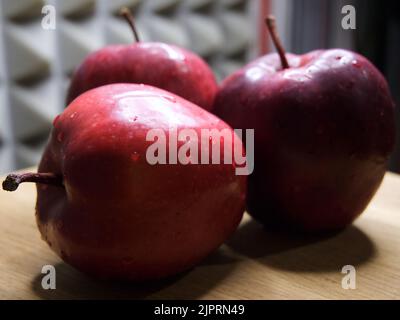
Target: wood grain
{"points": [[253, 264]]}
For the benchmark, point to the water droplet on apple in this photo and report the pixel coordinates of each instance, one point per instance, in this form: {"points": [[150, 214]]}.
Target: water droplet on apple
{"points": [[72, 115], [60, 137], [169, 98], [355, 64], [135, 156]]}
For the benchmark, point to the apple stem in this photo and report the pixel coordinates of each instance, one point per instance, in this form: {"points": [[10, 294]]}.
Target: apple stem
{"points": [[270, 21], [127, 14], [13, 180]]}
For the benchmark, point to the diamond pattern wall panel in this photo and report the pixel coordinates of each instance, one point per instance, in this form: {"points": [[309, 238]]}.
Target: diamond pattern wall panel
{"points": [[36, 64]]}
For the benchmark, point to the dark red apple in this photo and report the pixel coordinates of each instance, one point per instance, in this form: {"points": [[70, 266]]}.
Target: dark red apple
{"points": [[324, 130], [158, 64], [104, 209]]}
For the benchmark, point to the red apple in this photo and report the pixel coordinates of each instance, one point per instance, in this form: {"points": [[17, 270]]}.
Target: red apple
{"points": [[324, 129], [158, 64], [104, 209]]}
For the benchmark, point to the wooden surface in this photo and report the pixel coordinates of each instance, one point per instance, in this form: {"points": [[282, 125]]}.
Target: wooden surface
{"points": [[254, 264]]}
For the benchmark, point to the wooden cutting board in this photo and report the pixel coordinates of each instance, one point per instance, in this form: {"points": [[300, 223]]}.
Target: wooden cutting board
{"points": [[254, 264]]}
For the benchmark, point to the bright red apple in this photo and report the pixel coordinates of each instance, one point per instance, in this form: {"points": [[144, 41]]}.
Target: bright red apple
{"points": [[104, 209], [324, 130], [158, 64]]}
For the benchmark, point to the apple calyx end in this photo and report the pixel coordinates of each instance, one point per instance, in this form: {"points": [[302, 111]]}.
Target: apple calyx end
{"points": [[10, 183]]}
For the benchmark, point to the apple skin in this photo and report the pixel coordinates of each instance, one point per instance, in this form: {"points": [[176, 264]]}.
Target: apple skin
{"points": [[324, 129], [158, 64], [119, 217]]}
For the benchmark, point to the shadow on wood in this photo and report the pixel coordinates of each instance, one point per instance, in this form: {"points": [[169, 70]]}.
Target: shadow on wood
{"points": [[300, 252], [72, 284]]}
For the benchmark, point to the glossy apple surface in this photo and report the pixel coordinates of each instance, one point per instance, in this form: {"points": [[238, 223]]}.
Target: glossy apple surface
{"points": [[158, 64], [324, 129], [118, 216]]}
